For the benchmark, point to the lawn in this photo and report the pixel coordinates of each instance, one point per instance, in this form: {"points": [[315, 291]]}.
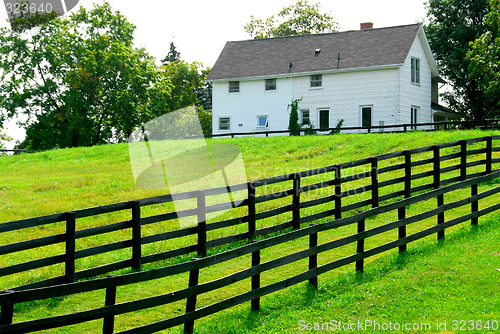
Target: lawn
{"points": [[71, 179]]}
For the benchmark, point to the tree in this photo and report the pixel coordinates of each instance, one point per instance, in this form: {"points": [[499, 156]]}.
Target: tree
{"points": [[26, 19], [301, 18], [204, 92], [79, 79], [172, 56], [293, 121], [186, 79], [484, 60], [3, 138], [452, 25]]}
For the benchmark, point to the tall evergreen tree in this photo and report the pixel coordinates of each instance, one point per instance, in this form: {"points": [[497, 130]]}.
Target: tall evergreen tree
{"points": [[172, 56]]}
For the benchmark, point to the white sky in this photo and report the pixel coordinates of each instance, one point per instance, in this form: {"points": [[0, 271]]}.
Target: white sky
{"points": [[199, 29]]}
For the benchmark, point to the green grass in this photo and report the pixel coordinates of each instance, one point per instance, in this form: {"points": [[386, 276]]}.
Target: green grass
{"points": [[71, 179], [61, 180]]}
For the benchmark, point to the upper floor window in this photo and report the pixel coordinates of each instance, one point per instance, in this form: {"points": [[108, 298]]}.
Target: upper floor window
{"points": [[234, 86], [270, 84], [415, 70], [317, 80]]}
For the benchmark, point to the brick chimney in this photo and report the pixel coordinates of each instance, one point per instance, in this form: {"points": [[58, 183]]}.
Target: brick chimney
{"points": [[366, 25]]}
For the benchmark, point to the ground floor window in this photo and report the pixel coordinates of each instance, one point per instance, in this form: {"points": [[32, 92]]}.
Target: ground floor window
{"points": [[262, 122], [224, 123], [306, 120]]}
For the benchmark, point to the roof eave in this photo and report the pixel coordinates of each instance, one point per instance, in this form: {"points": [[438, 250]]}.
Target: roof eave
{"points": [[288, 75]]}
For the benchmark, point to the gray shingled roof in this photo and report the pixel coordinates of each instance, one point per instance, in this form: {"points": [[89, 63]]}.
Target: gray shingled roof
{"points": [[271, 56]]}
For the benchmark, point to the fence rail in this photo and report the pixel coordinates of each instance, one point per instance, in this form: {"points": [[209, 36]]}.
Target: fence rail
{"points": [[337, 192]]}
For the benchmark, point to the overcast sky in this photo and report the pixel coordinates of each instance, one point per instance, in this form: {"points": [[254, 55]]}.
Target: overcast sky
{"points": [[200, 29]]}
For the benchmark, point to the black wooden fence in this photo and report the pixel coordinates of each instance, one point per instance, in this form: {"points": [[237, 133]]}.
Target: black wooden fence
{"points": [[297, 228]]}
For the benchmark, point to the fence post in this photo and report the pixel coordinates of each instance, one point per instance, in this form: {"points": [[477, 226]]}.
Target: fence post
{"points": [[474, 204], [251, 209], [489, 154], [463, 160], [136, 236], [407, 155], [109, 321], [402, 229], [191, 301], [374, 176], [437, 169], [338, 193], [69, 274], [313, 259], [7, 311], [202, 225], [255, 279], [440, 217], [296, 202], [437, 184], [361, 245]]}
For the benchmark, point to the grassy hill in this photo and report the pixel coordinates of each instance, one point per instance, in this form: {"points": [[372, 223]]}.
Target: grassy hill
{"points": [[61, 180], [70, 179]]}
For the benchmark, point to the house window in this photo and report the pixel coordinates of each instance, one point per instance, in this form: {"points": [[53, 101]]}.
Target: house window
{"points": [[224, 123], [415, 70], [414, 117], [306, 120], [270, 84], [316, 80], [262, 122], [234, 86], [366, 116]]}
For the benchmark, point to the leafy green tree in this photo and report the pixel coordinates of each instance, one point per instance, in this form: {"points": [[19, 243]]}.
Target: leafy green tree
{"points": [[3, 138], [79, 80], [484, 60], [185, 78], [452, 25], [26, 20], [301, 18], [204, 92], [205, 117], [293, 121]]}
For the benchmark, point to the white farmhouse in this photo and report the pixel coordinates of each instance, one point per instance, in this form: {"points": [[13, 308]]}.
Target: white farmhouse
{"points": [[366, 77]]}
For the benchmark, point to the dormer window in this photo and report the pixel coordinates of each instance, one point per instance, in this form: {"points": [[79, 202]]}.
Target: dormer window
{"points": [[234, 86], [415, 70], [316, 80]]}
